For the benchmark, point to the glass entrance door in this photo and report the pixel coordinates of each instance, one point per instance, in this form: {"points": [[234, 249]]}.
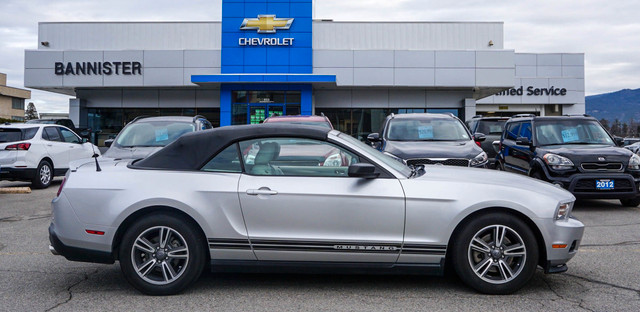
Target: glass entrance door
{"points": [[259, 112], [253, 107]]}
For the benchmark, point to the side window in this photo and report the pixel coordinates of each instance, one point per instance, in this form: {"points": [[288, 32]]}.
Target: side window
{"points": [[225, 161], [295, 157], [29, 133], [51, 134], [525, 130], [471, 124], [512, 131], [69, 136]]}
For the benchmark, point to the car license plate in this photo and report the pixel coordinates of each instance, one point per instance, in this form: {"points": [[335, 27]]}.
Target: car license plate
{"points": [[604, 184]]}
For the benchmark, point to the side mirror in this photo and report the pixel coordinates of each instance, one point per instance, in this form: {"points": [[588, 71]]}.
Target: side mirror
{"points": [[363, 170], [373, 137], [496, 146], [85, 140], [479, 137], [619, 141], [108, 142], [523, 141]]}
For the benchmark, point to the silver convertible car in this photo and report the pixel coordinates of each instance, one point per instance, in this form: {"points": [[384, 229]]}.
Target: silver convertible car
{"points": [[276, 197]]}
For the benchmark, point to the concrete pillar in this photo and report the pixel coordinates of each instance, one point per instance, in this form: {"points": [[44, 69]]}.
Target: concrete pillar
{"points": [[469, 109], [78, 112]]}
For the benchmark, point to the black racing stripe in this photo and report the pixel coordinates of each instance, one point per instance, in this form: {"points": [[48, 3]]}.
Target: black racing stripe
{"points": [[321, 243], [424, 249], [229, 243], [229, 240]]}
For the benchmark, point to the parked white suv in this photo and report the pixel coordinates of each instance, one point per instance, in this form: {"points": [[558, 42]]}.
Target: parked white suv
{"points": [[38, 152]]}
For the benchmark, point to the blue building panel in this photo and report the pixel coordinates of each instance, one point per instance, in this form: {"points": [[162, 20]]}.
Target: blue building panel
{"points": [[234, 12], [250, 65]]}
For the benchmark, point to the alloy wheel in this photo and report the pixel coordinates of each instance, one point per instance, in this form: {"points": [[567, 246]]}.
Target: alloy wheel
{"points": [[497, 254], [160, 255]]}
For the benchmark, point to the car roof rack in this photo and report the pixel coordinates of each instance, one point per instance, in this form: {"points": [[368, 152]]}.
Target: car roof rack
{"points": [[477, 116], [139, 117], [523, 115], [196, 117], [577, 115]]}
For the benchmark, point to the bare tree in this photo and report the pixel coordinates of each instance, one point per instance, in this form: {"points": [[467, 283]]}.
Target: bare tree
{"points": [[31, 112]]}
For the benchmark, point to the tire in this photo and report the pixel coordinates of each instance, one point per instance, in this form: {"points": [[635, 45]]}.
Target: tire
{"points": [[537, 175], [44, 175], [165, 269], [630, 202], [500, 271]]}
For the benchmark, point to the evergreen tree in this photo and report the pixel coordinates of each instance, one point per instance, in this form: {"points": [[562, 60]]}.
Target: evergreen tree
{"points": [[31, 112]]}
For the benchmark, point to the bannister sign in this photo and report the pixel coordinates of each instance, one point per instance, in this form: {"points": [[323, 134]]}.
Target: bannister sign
{"points": [[98, 68]]}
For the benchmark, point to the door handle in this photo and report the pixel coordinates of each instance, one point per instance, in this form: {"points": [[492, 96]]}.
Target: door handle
{"points": [[49, 144], [262, 191]]}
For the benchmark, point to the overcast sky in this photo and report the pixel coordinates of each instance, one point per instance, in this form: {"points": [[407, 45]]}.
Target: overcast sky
{"points": [[608, 32]]}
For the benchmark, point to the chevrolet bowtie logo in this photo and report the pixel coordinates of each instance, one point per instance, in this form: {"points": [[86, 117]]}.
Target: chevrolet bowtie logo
{"points": [[266, 24]]}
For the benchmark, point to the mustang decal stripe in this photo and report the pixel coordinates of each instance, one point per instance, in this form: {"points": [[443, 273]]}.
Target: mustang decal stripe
{"points": [[324, 246]]}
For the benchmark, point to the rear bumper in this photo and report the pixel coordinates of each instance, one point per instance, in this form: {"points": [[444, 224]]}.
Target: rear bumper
{"points": [[17, 174], [75, 253]]}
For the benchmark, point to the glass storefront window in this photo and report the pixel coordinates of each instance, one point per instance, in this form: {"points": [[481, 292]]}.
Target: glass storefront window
{"points": [[239, 114], [361, 122]]}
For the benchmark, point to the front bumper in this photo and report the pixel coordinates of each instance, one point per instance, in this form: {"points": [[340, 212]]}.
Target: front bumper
{"points": [[561, 232], [17, 174], [583, 185]]}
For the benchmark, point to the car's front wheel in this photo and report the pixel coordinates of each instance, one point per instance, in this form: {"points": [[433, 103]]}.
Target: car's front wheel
{"points": [[44, 175], [630, 202], [162, 254], [495, 253]]}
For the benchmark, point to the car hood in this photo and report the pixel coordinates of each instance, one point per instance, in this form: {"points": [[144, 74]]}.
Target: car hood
{"points": [[131, 153], [433, 149], [499, 182], [588, 153]]}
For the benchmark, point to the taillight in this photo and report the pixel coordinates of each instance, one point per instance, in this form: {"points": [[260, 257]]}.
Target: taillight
{"points": [[18, 147], [61, 186], [478, 143]]}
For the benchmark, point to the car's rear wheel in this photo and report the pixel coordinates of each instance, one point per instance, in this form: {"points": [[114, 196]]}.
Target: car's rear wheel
{"points": [[44, 175], [495, 253], [630, 202], [162, 254]]}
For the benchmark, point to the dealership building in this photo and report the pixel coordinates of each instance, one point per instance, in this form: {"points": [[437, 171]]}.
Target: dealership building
{"points": [[271, 57]]}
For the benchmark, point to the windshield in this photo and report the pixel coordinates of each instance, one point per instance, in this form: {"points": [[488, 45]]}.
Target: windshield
{"points": [[427, 129], [558, 132], [491, 126], [152, 133], [377, 155]]}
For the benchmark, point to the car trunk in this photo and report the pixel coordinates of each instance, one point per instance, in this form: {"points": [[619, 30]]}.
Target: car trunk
{"points": [[8, 136]]}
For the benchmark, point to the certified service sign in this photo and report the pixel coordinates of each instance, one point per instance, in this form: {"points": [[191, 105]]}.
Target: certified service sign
{"points": [[266, 24]]}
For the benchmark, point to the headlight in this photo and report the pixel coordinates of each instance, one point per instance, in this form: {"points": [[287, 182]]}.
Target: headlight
{"points": [[481, 159], [634, 162], [558, 162], [563, 211], [395, 157]]}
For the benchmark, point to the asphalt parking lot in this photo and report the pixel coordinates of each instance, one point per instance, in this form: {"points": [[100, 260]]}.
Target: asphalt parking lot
{"points": [[604, 276]]}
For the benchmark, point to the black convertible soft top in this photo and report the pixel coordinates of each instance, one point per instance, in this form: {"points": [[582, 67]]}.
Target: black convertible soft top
{"points": [[192, 150]]}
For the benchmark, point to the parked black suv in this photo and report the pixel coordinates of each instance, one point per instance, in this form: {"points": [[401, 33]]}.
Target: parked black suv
{"points": [[429, 139], [573, 152], [492, 128]]}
